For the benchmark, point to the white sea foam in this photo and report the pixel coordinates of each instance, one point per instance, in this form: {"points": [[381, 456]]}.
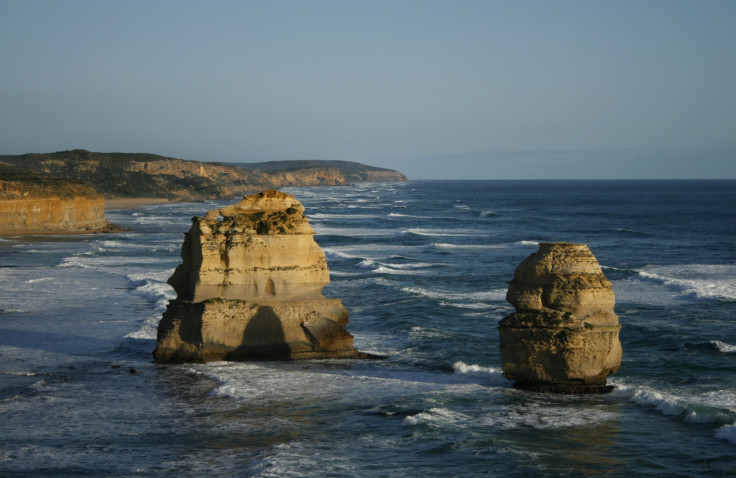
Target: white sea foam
{"points": [[493, 295], [40, 279], [510, 417], [366, 264], [329, 216], [472, 369], [148, 330], [724, 347], [508, 245], [88, 261], [352, 231], [714, 407], [727, 432], [158, 294], [696, 281], [662, 402], [437, 417], [419, 231]]}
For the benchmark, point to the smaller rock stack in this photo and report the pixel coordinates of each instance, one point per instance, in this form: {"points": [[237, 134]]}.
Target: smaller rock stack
{"points": [[564, 335], [250, 287]]}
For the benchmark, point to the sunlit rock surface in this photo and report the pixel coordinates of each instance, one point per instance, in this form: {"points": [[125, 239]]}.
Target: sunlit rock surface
{"points": [[564, 335], [250, 287]]}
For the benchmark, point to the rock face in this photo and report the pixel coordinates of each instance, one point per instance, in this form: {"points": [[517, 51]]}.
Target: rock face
{"points": [[250, 287], [27, 207], [564, 335]]}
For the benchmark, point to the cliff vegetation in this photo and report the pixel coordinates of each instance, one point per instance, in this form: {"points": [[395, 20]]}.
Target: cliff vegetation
{"points": [[129, 175]]}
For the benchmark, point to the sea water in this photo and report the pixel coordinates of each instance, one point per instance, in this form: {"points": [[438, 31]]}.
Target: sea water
{"points": [[423, 268]]}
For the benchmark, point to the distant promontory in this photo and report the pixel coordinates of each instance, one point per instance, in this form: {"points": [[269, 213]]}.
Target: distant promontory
{"points": [[140, 175]]}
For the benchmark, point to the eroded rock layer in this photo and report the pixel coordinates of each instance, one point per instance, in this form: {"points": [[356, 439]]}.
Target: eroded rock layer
{"points": [[564, 335], [250, 286]]}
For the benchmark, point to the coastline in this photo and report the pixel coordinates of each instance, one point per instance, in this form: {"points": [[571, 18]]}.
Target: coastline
{"points": [[129, 203]]}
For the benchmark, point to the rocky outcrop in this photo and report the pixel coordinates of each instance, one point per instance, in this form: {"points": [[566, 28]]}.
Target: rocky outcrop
{"points": [[564, 335], [250, 287], [32, 207]]}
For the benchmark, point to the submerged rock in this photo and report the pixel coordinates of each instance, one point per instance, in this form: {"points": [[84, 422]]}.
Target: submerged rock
{"points": [[250, 287], [564, 335]]}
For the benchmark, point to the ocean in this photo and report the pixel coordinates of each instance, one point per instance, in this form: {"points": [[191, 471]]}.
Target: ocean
{"points": [[423, 268]]}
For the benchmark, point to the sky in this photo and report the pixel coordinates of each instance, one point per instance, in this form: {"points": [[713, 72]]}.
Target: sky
{"points": [[455, 89]]}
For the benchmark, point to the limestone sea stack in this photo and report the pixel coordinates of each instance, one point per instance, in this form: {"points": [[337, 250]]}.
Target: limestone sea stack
{"points": [[250, 287], [564, 335]]}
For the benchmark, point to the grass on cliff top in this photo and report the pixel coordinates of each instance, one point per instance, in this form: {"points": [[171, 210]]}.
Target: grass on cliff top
{"points": [[16, 183]]}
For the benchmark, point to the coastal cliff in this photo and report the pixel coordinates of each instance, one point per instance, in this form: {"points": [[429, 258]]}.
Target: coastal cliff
{"points": [[250, 287], [30, 204], [129, 175]]}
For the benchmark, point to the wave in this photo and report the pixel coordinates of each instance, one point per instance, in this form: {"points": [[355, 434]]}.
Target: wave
{"points": [[494, 295], [508, 245], [88, 261], [437, 417], [717, 408], [155, 292], [727, 432], [419, 231], [40, 279], [489, 214], [723, 347], [510, 417], [476, 370], [695, 281], [329, 216], [631, 232], [353, 231]]}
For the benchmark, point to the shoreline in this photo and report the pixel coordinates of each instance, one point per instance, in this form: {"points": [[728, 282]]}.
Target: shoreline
{"points": [[130, 203]]}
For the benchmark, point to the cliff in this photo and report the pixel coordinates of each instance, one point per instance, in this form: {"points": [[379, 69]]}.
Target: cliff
{"points": [[250, 287], [564, 335], [126, 175], [33, 204]]}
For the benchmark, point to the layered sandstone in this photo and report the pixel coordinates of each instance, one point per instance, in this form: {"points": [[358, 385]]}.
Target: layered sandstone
{"points": [[250, 286], [564, 335], [32, 208]]}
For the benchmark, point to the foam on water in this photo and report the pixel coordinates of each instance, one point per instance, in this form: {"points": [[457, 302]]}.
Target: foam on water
{"points": [[696, 281], [158, 294], [717, 408], [512, 245], [727, 432], [540, 416], [90, 261], [455, 232], [496, 295], [357, 232], [723, 347]]}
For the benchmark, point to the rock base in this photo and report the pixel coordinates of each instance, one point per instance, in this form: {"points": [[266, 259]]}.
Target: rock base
{"points": [[243, 330], [571, 388]]}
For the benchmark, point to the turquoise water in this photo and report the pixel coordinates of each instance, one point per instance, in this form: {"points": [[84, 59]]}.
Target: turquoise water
{"points": [[423, 268]]}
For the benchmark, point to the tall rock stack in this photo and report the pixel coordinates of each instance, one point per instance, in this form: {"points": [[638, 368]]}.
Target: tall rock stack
{"points": [[250, 287], [564, 335]]}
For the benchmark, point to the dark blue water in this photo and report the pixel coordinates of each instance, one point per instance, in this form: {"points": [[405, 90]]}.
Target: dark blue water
{"points": [[423, 268]]}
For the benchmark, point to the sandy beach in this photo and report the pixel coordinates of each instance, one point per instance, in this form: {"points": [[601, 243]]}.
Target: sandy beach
{"points": [[127, 203]]}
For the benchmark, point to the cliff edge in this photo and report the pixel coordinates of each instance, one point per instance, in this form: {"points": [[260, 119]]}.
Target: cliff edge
{"points": [[34, 204]]}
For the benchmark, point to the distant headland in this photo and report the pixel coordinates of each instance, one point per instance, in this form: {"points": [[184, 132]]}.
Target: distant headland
{"points": [[141, 175], [66, 191]]}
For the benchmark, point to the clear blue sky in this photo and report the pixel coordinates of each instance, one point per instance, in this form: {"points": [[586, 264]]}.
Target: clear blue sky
{"points": [[435, 89]]}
